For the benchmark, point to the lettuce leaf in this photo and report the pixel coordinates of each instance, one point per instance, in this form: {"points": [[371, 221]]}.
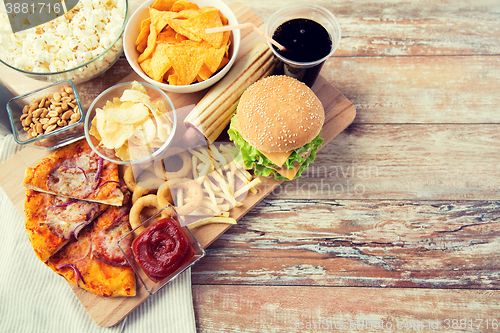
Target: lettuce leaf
{"points": [[252, 158]]}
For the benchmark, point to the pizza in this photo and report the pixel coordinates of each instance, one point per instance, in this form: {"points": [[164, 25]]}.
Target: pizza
{"points": [[94, 261], [52, 221], [76, 171]]}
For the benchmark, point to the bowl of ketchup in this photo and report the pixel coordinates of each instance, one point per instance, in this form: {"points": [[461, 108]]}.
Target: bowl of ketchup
{"points": [[163, 247]]}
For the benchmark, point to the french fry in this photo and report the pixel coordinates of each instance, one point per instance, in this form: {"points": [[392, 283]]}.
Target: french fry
{"points": [[208, 220]]}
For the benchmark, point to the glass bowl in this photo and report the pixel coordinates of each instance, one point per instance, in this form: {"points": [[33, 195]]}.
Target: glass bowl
{"points": [[49, 140], [145, 153], [151, 286], [84, 70], [134, 26]]}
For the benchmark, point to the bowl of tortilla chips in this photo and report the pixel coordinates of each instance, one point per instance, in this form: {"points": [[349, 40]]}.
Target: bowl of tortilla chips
{"points": [[166, 44]]}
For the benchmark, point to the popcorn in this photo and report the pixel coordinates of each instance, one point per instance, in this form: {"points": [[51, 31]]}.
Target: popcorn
{"points": [[71, 40]]}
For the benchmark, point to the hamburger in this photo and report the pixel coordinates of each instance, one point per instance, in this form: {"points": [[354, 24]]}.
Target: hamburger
{"points": [[276, 127]]}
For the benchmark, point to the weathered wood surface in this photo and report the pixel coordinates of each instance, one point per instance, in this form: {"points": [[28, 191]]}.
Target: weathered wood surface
{"points": [[361, 243], [240, 309]]}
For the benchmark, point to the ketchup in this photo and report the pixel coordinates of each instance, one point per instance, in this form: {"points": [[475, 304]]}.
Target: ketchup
{"points": [[161, 249]]}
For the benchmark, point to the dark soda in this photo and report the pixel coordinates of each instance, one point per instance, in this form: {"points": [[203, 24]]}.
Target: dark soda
{"points": [[305, 41]]}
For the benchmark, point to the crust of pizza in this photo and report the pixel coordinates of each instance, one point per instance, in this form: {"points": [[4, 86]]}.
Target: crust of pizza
{"points": [[97, 276], [77, 182], [49, 228]]}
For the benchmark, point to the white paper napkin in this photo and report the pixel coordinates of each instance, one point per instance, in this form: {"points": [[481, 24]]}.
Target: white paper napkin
{"points": [[35, 299]]}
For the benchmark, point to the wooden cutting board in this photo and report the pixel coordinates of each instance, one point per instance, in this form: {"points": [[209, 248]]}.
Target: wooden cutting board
{"points": [[340, 113]]}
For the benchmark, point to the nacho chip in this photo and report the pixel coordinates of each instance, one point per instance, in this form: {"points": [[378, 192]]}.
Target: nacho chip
{"points": [[163, 4], [178, 26], [181, 5], [160, 62], [187, 59], [160, 19], [151, 44], [208, 19], [204, 73], [142, 39], [167, 36]]}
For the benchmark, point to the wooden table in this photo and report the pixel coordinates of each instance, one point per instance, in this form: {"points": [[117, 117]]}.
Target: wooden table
{"points": [[395, 225]]}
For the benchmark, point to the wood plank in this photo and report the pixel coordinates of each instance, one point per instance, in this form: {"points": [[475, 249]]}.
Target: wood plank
{"points": [[403, 28], [420, 162], [431, 244], [419, 89], [281, 309]]}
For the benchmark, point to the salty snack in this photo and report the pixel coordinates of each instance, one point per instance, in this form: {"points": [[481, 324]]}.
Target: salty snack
{"points": [[161, 249], [48, 113], [209, 183], [213, 113], [174, 46], [85, 32], [75, 171], [277, 126], [52, 221], [94, 261], [132, 125]]}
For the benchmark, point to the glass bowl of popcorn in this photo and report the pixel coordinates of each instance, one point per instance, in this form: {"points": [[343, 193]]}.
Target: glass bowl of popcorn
{"points": [[78, 45]]}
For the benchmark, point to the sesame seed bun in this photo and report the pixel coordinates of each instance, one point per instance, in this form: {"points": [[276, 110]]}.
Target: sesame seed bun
{"points": [[278, 114]]}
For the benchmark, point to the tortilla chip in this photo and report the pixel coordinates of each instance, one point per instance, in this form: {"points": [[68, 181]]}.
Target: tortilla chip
{"points": [[163, 4], [160, 19], [181, 5], [187, 59], [160, 62], [178, 26], [151, 44], [198, 24], [166, 36], [204, 73], [142, 39]]}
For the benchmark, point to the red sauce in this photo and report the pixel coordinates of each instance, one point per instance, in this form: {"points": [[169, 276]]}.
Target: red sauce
{"points": [[161, 249]]}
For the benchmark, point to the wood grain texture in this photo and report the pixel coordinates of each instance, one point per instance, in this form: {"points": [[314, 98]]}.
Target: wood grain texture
{"points": [[408, 28], [238, 309], [359, 243], [418, 162]]}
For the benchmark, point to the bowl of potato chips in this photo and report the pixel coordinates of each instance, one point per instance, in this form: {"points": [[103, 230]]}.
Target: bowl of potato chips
{"points": [[166, 44], [130, 123]]}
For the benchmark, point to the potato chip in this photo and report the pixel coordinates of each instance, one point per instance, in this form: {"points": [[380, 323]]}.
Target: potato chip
{"points": [[181, 5], [131, 121], [151, 44], [122, 152], [163, 4], [198, 24], [137, 113]]}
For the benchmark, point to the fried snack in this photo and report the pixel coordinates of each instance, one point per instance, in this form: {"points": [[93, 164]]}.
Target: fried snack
{"points": [[213, 113], [214, 184], [132, 125], [135, 212], [174, 47]]}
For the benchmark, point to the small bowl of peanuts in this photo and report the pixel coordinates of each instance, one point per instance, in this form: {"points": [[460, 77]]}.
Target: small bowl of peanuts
{"points": [[47, 118]]}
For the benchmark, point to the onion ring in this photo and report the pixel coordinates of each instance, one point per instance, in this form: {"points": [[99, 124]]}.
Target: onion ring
{"points": [[186, 168], [164, 195], [195, 193], [135, 212], [128, 177], [147, 186]]}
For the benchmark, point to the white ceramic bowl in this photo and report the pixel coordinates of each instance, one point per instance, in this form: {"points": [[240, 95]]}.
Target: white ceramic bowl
{"points": [[132, 31]]}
